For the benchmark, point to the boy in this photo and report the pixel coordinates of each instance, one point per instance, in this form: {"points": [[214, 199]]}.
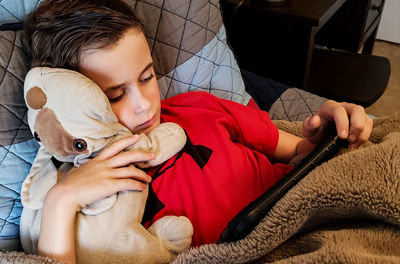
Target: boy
{"points": [[225, 163]]}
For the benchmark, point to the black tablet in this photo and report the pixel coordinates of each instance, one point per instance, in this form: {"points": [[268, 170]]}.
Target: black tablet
{"points": [[251, 215]]}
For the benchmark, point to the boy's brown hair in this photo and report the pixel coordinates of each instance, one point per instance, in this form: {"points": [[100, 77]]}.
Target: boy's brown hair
{"points": [[58, 31]]}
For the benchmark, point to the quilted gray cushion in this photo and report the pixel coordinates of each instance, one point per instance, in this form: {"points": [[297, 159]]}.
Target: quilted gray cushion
{"points": [[17, 148], [295, 105], [12, 11], [183, 35], [189, 48]]}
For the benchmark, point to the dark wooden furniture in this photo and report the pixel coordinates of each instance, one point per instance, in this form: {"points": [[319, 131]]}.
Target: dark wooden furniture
{"points": [[349, 77], [279, 42], [353, 26]]}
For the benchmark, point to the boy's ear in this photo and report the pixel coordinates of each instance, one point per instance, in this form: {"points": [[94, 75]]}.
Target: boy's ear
{"points": [[36, 98]]}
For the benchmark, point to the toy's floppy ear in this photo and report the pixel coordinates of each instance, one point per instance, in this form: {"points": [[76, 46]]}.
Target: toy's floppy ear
{"points": [[36, 98], [42, 176]]}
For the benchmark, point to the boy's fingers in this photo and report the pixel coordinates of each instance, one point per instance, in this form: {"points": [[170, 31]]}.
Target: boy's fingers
{"points": [[131, 172], [358, 122], [311, 126], [336, 112], [363, 136], [128, 185], [128, 157], [117, 147], [341, 122]]}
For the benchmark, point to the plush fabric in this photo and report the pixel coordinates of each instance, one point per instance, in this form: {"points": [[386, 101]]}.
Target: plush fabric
{"points": [[347, 210], [75, 110], [20, 257]]}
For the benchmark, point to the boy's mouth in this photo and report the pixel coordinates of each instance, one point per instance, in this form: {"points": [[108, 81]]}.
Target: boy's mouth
{"points": [[148, 123]]}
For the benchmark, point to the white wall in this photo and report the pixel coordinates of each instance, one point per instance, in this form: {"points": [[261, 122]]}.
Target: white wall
{"points": [[389, 28]]}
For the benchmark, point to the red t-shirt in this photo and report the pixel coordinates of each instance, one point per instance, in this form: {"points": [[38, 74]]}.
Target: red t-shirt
{"points": [[222, 168]]}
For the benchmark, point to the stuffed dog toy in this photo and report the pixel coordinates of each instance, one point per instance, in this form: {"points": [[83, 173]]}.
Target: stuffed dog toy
{"points": [[72, 119]]}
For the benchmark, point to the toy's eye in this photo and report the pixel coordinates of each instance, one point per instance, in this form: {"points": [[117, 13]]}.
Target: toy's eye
{"points": [[80, 145], [36, 136]]}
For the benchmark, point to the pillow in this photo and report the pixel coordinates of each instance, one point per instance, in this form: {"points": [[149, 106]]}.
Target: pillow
{"points": [[188, 43], [17, 148], [281, 101], [12, 11]]}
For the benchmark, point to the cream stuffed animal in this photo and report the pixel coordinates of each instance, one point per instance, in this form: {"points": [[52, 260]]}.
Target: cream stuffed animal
{"points": [[72, 119]]}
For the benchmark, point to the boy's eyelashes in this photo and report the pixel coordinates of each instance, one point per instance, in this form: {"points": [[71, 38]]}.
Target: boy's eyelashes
{"points": [[115, 95], [117, 98], [119, 93], [147, 78]]}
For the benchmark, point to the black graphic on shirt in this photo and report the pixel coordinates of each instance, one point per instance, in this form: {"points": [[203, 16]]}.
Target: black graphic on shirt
{"points": [[199, 153]]}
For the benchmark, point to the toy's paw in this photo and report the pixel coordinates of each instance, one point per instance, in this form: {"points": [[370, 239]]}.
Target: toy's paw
{"points": [[164, 141], [176, 231], [100, 206]]}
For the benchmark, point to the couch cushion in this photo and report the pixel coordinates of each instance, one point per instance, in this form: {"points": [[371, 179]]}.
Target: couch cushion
{"points": [[281, 101], [187, 40], [12, 11], [188, 43], [17, 148]]}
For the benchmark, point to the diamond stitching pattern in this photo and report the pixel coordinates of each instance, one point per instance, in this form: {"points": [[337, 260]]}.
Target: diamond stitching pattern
{"points": [[12, 104], [176, 47], [12, 11], [164, 22], [295, 105], [13, 130], [180, 45], [177, 34]]}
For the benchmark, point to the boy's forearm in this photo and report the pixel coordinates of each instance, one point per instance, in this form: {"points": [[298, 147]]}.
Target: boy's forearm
{"points": [[289, 146], [304, 146], [56, 239]]}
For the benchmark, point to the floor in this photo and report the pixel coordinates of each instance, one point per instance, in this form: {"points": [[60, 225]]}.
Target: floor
{"points": [[390, 100]]}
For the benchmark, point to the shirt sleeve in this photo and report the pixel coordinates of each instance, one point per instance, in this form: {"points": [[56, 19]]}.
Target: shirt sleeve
{"points": [[245, 125], [254, 127]]}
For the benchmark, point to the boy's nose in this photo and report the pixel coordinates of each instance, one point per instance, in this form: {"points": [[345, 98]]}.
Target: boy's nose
{"points": [[140, 103]]}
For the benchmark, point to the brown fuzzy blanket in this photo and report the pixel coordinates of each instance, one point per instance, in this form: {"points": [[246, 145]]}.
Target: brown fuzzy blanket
{"points": [[345, 211]]}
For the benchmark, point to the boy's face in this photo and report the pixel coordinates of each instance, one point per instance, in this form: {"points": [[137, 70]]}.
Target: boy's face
{"points": [[125, 73]]}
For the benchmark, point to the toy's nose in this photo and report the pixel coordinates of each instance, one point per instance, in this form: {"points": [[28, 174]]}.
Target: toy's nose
{"points": [[36, 136]]}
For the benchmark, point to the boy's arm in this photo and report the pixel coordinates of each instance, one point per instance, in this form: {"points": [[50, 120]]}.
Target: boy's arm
{"points": [[107, 173], [351, 123], [290, 146], [56, 238]]}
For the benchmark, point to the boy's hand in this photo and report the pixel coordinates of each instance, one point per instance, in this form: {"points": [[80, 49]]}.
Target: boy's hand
{"points": [[109, 172], [351, 122]]}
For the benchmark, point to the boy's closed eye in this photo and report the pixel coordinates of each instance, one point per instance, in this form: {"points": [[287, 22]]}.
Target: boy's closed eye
{"points": [[117, 93], [147, 78]]}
